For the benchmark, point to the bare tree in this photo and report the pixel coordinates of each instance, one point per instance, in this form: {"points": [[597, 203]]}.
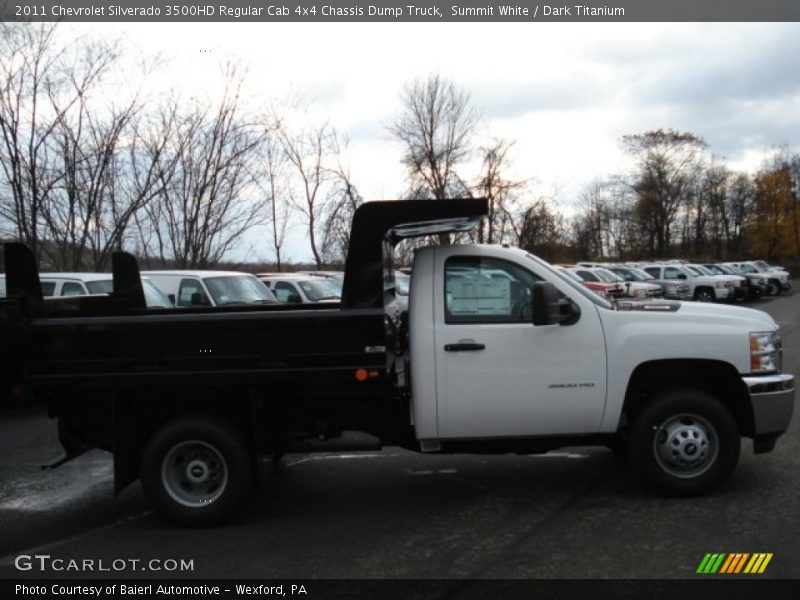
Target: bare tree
{"points": [[500, 192], [41, 82], [308, 150], [88, 214], [276, 189], [204, 208], [343, 200], [435, 127]]}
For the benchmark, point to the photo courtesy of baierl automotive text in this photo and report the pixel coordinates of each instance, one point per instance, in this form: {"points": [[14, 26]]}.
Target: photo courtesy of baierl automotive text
{"points": [[482, 349]]}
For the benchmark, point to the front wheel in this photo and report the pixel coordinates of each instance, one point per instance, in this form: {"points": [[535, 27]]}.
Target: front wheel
{"points": [[684, 443], [774, 287], [196, 470], [705, 295]]}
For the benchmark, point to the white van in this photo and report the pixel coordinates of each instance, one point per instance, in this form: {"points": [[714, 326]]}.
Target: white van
{"points": [[211, 288]]}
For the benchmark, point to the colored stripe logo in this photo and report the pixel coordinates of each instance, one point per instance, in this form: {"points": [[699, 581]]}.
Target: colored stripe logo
{"points": [[734, 563]]}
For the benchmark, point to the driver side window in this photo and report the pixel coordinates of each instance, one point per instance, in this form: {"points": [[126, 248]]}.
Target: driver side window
{"points": [[188, 290], [486, 290]]}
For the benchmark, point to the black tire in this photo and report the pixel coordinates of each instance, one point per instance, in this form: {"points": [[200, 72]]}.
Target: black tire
{"points": [[774, 287], [705, 295], [196, 470], [684, 442]]}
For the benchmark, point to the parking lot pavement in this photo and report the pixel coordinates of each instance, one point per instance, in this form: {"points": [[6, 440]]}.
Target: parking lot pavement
{"points": [[572, 513]]}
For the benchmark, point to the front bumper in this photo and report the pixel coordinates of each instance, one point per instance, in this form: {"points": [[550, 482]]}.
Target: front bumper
{"points": [[772, 399]]}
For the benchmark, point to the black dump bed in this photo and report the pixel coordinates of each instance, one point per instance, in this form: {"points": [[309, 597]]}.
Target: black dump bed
{"points": [[111, 341]]}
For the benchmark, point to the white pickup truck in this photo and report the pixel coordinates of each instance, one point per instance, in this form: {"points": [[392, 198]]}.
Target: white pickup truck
{"points": [[497, 352], [703, 288]]}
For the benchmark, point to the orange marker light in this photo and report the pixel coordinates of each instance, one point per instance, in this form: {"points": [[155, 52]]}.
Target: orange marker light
{"points": [[361, 374]]}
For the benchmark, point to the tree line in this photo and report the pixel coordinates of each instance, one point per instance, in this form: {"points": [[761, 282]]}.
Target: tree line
{"points": [[180, 182]]}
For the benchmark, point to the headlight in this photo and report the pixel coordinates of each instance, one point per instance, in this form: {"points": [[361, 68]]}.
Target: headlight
{"points": [[720, 284], [765, 351]]}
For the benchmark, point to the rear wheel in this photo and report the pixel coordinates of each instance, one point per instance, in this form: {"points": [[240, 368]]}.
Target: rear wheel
{"points": [[196, 470], [684, 442]]}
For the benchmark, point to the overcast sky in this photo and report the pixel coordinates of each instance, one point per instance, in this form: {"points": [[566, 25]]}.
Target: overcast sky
{"points": [[565, 93]]}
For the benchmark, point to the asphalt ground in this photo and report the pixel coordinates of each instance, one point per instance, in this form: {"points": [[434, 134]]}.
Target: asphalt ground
{"points": [[575, 513]]}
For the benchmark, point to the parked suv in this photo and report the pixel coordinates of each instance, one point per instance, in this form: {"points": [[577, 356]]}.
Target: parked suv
{"points": [[702, 288], [777, 280]]}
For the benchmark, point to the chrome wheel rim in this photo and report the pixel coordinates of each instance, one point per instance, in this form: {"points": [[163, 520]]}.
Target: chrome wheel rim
{"points": [[685, 446], [194, 473]]}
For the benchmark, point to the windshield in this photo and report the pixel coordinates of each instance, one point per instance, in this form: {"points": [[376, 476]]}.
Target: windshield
{"points": [[702, 270], [608, 276], [238, 289], [716, 270], [745, 268], [645, 276], [154, 297], [629, 274], [105, 286], [693, 270], [321, 289], [587, 276]]}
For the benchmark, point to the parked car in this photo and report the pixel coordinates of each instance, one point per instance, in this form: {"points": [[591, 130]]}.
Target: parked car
{"points": [[667, 289], [636, 287], [702, 288], [211, 288], [298, 288], [777, 280], [82, 284], [781, 273], [764, 266], [738, 284], [609, 287], [755, 285]]}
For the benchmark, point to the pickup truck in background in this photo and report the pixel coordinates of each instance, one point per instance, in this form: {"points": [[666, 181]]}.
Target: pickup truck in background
{"points": [[670, 290], [84, 284], [778, 280], [498, 352], [702, 288], [211, 288]]}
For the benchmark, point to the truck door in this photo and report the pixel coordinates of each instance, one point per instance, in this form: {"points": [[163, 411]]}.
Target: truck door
{"points": [[497, 374]]}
